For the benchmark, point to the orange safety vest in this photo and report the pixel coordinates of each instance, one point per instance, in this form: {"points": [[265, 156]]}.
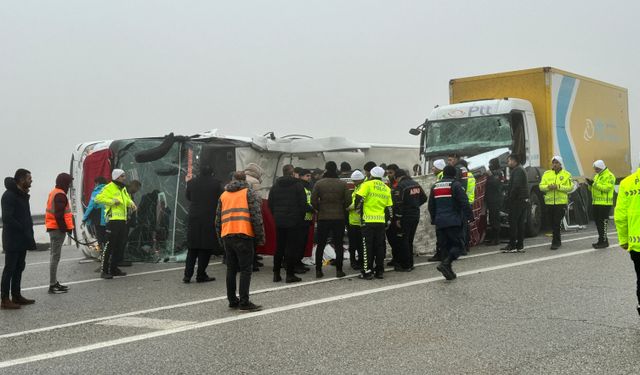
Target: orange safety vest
{"points": [[50, 215], [234, 213]]}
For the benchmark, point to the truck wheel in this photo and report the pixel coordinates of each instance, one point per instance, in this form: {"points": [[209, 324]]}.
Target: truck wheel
{"points": [[534, 219]]}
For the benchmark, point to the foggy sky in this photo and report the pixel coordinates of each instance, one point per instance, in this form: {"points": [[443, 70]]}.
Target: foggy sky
{"points": [[74, 71]]}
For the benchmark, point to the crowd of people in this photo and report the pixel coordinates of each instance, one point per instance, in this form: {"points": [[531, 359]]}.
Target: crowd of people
{"points": [[382, 205]]}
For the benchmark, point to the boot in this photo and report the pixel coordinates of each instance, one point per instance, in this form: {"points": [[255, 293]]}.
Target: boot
{"points": [[276, 277], [20, 300], [292, 279], [319, 274], [7, 304], [340, 273]]}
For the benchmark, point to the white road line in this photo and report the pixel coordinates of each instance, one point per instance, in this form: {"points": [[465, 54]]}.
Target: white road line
{"points": [[124, 277], [220, 298], [215, 322], [48, 261], [150, 323]]}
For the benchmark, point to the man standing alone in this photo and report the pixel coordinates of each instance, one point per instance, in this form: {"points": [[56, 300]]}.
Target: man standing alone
{"points": [[58, 220], [239, 224], [17, 237]]}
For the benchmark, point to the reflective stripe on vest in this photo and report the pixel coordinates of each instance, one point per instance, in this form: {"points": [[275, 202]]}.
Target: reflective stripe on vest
{"points": [[234, 213], [377, 197], [50, 214], [309, 215], [471, 188]]}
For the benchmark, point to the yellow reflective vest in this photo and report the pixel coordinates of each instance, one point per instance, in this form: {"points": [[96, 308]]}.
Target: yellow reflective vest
{"points": [[627, 212], [111, 194], [439, 176], [602, 188], [354, 216], [471, 188], [376, 197], [564, 183]]}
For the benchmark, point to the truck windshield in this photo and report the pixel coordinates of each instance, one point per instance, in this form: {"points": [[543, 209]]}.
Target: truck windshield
{"points": [[468, 134]]}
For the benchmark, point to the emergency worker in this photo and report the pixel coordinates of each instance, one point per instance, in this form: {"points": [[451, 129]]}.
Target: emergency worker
{"points": [[449, 209], [408, 197], [354, 229], [627, 219], [239, 225], [58, 220], [517, 205], [374, 204], [556, 183], [305, 178], [437, 170], [601, 188], [117, 204]]}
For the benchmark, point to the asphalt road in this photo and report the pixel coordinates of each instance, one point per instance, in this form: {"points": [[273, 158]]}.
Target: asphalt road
{"points": [[567, 311]]}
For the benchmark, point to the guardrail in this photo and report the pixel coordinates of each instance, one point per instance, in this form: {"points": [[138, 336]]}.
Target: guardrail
{"points": [[37, 220]]}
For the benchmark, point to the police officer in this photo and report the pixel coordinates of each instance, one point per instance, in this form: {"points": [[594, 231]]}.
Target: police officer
{"points": [[374, 204], [556, 183], [517, 204], [437, 168], [354, 228], [627, 219], [449, 209], [602, 199], [408, 197]]}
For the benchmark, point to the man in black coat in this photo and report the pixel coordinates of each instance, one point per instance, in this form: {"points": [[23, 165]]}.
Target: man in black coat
{"points": [[449, 208], [17, 237], [203, 193], [493, 198], [288, 203], [408, 196], [517, 204]]}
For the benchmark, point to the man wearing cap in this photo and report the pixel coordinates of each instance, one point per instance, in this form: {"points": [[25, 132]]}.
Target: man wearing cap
{"points": [[374, 204], [602, 199], [437, 168], [330, 198], [408, 196], [627, 219], [449, 208], [354, 229], [556, 184], [118, 203]]}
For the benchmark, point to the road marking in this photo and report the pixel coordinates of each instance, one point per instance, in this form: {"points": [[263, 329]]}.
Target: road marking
{"points": [[150, 323], [48, 261], [215, 322], [214, 299], [123, 277]]}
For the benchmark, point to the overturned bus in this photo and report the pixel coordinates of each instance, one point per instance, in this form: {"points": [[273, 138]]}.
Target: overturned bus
{"points": [[164, 165]]}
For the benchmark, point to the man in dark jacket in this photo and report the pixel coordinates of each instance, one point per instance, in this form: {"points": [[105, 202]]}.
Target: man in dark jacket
{"points": [[17, 237], [331, 198], [449, 209], [408, 196], [288, 204], [517, 204], [494, 200], [203, 193]]}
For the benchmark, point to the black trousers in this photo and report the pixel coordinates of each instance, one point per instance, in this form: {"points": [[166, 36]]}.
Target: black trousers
{"points": [[408, 227], [117, 234], [635, 257], [517, 221], [494, 224], [452, 242], [288, 241], [239, 254], [374, 247], [202, 256], [304, 229], [601, 217], [557, 214], [101, 235], [336, 229], [394, 237], [354, 233], [14, 264]]}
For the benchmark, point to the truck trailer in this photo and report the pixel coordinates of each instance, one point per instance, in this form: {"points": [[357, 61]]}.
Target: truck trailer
{"points": [[535, 113]]}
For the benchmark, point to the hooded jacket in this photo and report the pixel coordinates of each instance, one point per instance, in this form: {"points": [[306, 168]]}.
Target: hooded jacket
{"points": [[95, 210], [60, 201], [255, 211], [288, 202], [17, 225]]}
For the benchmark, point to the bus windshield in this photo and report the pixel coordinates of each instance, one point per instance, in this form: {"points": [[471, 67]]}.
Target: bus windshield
{"points": [[473, 134]]}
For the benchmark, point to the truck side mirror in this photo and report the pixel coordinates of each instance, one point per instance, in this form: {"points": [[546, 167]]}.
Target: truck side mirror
{"points": [[415, 131]]}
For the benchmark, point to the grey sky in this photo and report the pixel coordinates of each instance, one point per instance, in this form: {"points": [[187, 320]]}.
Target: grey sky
{"points": [[73, 71]]}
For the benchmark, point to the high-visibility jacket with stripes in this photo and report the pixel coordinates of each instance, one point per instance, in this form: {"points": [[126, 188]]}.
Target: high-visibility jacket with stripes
{"points": [[111, 194], [234, 213], [376, 197], [564, 183], [309, 215], [354, 216], [471, 187], [627, 212], [602, 188], [50, 214]]}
